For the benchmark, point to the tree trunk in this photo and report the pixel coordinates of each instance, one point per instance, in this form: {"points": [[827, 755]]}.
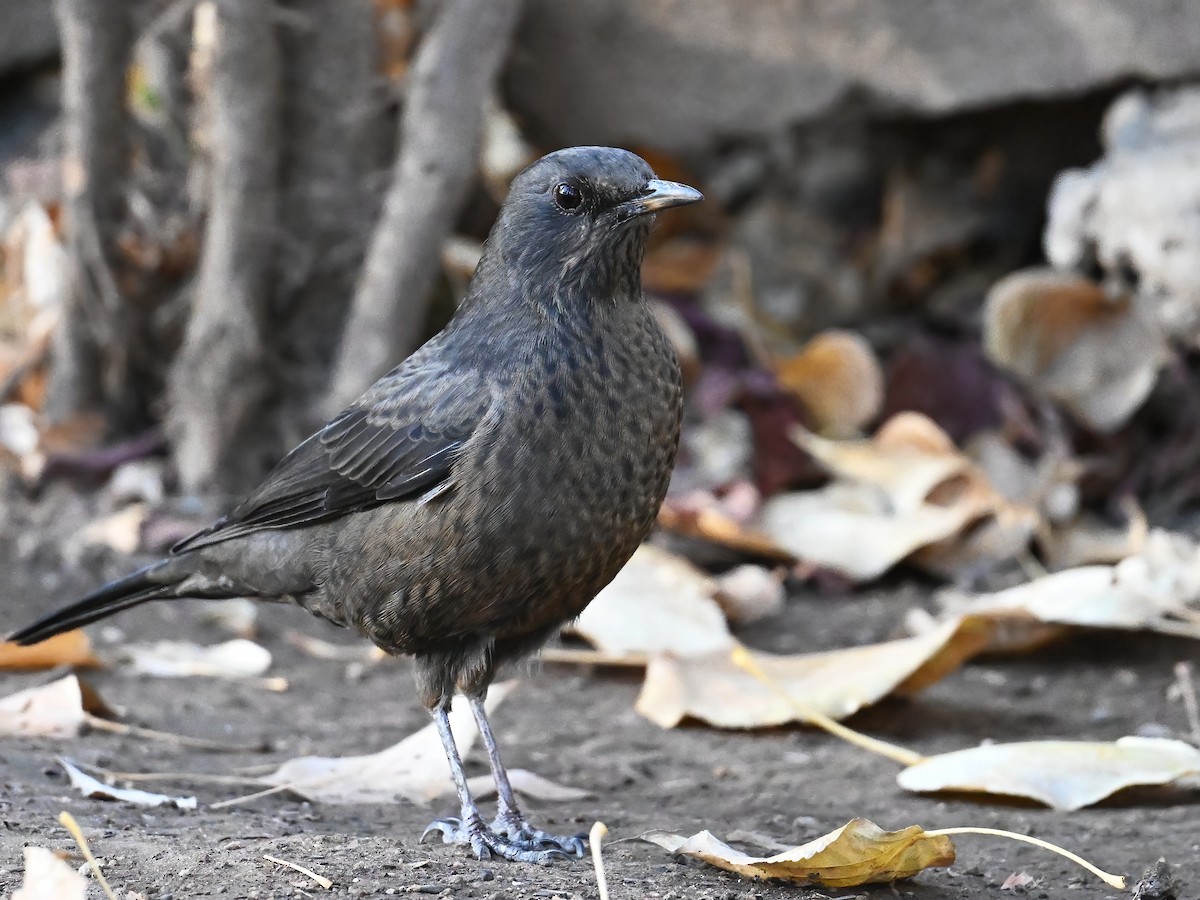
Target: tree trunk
{"points": [[218, 380], [332, 163], [89, 363], [440, 136]]}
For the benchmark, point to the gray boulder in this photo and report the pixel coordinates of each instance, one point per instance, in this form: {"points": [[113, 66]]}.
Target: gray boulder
{"points": [[680, 74]]}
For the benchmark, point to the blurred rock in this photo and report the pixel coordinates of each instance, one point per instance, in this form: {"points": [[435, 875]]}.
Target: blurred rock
{"points": [[1133, 214], [682, 75], [28, 34]]}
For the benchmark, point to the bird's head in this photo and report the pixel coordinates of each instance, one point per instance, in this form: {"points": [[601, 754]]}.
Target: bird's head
{"points": [[581, 216]]}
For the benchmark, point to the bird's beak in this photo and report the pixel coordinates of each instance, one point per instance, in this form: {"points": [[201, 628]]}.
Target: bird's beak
{"points": [[659, 195]]}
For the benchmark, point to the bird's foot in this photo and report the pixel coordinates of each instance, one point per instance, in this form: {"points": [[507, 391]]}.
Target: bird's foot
{"points": [[514, 826], [485, 842]]}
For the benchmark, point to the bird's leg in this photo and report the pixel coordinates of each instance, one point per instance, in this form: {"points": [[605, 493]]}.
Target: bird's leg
{"points": [[509, 820], [470, 829]]}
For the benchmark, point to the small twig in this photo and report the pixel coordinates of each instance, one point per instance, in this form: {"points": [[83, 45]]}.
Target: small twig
{"points": [[112, 777], [595, 836], [68, 822], [235, 801], [1114, 881], [1187, 691], [743, 660], [181, 739], [296, 867]]}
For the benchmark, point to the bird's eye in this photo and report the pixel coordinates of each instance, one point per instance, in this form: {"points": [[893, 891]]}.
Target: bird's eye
{"points": [[568, 196]]}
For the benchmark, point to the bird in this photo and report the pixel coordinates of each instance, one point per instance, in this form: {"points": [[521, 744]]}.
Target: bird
{"points": [[479, 495]]}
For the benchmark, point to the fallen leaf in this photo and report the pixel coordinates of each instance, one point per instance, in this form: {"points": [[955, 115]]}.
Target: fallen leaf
{"points": [[838, 378], [97, 790], [49, 878], [414, 769], [1155, 590], [72, 648], [1064, 775], [238, 658], [1056, 331], [906, 459], [860, 852], [658, 603], [835, 683], [908, 492], [855, 530], [53, 710], [715, 526]]}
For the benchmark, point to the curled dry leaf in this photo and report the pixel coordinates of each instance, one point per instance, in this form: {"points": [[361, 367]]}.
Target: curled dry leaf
{"points": [[1056, 331], [854, 530], [908, 489], [47, 877], [238, 658], [1155, 590], [98, 790], [414, 769], [658, 603], [860, 852], [71, 648], [1064, 775], [838, 378], [836, 683]]}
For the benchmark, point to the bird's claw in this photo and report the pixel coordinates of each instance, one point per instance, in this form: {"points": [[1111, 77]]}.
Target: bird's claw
{"points": [[518, 830], [485, 842]]}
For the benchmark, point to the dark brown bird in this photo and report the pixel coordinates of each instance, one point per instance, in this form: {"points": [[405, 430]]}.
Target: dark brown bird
{"points": [[479, 495]]}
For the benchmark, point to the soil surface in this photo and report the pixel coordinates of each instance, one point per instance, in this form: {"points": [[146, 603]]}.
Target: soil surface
{"points": [[577, 726]]}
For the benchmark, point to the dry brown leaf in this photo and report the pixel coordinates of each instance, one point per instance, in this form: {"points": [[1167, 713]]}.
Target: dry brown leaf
{"points": [[71, 648], [414, 769], [855, 530], [1057, 331], [715, 527], [906, 460], [838, 378], [1064, 775], [238, 658], [52, 710], [860, 852], [49, 878], [907, 492], [1156, 590], [836, 683], [658, 603]]}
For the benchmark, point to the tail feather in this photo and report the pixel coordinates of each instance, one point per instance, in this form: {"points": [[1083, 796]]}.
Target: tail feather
{"points": [[154, 582]]}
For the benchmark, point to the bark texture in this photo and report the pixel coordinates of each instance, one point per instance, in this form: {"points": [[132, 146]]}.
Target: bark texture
{"points": [[219, 379], [89, 362], [440, 136], [332, 163]]}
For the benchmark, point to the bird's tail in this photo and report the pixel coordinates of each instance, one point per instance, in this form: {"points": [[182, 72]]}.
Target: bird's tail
{"points": [[158, 581]]}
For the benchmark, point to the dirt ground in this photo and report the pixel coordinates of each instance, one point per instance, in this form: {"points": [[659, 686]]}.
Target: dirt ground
{"points": [[578, 727]]}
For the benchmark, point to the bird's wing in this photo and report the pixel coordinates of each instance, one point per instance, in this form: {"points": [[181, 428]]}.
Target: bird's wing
{"points": [[399, 441]]}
